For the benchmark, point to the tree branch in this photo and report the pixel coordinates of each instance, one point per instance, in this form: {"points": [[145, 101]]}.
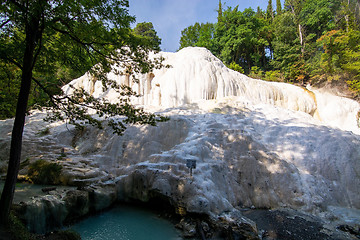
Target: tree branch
{"points": [[52, 99], [4, 23], [87, 45], [21, 7], [39, 44], [51, 96]]}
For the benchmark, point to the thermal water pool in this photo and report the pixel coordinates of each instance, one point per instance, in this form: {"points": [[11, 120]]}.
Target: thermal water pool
{"points": [[126, 223]]}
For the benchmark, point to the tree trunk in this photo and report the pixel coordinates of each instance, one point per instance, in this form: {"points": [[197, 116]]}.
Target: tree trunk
{"points": [[301, 39], [17, 133], [347, 22]]}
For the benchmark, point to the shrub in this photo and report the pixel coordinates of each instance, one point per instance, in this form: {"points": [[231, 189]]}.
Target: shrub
{"points": [[274, 76], [236, 67], [17, 229], [43, 172], [256, 72], [44, 132]]}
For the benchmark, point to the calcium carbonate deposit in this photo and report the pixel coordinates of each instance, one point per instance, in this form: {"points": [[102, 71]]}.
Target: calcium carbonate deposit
{"points": [[256, 144]]}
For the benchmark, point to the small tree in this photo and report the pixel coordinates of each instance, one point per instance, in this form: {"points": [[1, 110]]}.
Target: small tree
{"points": [[270, 10], [197, 35], [39, 36], [278, 7], [146, 30]]}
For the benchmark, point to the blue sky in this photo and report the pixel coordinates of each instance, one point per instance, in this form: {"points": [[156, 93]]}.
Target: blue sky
{"points": [[170, 17]]}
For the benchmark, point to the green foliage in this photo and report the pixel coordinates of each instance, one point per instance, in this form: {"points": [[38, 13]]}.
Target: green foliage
{"points": [[146, 30], [242, 38], [285, 43], [96, 39], [341, 56], [318, 16], [274, 76], [236, 67], [256, 72], [45, 42], [44, 172], [306, 41], [270, 10], [9, 89], [278, 7], [17, 229], [298, 72], [352, 53], [44, 132], [197, 35], [220, 9]]}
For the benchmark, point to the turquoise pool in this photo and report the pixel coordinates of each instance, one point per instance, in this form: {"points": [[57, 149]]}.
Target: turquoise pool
{"points": [[126, 223]]}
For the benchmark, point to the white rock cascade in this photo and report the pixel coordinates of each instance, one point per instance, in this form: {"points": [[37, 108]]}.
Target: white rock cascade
{"points": [[256, 143], [195, 74]]}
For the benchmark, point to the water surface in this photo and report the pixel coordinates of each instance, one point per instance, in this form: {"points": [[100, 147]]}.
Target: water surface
{"points": [[24, 191], [126, 223]]}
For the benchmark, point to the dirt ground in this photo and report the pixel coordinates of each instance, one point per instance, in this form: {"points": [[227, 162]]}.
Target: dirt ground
{"points": [[292, 225]]}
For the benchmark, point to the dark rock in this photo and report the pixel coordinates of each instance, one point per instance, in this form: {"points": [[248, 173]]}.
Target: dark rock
{"points": [[77, 204], [354, 230], [188, 227], [48, 189], [102, 197], [291, 225]]}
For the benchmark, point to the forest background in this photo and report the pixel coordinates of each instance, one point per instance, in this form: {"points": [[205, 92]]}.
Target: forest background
{"points": [[303, 42]]}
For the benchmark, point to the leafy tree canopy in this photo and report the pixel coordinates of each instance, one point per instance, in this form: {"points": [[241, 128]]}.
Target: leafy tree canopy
{"points": [[197, 35], [72, 37], [303, 41], [45, 43], [146, 30]]}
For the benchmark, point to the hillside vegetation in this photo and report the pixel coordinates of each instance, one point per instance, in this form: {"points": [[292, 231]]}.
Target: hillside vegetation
{"points": [[304, 41]]}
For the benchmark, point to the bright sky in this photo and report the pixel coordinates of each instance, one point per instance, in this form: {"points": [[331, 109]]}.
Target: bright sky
{"points": [[170, 17]]}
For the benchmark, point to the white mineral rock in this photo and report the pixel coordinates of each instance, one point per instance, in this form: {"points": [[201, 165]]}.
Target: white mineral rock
{"points": [[256, 143]]}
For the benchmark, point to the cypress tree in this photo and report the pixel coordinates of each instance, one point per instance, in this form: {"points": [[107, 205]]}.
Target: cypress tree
{"points": [[259, 12], [270, 10], [278, 7], [219, 12]]}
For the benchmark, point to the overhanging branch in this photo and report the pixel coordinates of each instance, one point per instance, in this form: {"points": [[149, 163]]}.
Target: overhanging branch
{"points": [[4, 23]]}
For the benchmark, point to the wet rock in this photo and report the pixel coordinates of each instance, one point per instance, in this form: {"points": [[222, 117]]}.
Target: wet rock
{"points": [[235, 226], [204, 226], [188, 227], [44, 214], [102, 197], [77, 204], [50, 212], [353, 230], [48, 189]]}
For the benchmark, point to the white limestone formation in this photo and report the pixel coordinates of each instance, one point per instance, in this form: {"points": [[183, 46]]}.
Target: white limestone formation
{"points": [[195, 74], [256, 143]]}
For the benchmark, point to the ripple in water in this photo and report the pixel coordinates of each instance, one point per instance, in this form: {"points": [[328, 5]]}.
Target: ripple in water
{"points": [[126, 223]]}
